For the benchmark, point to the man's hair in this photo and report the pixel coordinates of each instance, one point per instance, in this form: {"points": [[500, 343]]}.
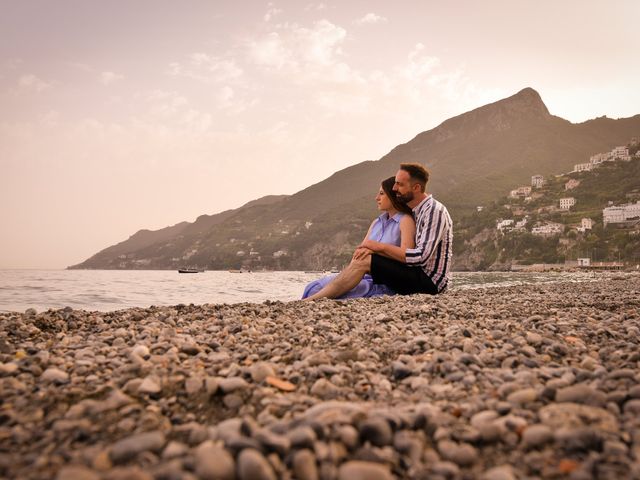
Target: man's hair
{"points": [[417, 173]]}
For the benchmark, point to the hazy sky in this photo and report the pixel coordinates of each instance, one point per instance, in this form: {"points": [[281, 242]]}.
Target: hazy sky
{"points": [[122, 115]]}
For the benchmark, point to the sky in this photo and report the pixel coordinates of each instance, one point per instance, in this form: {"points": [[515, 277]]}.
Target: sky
{"points": [[127, 115]]}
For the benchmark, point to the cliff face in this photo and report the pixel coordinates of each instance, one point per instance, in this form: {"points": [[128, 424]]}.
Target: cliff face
{"points": [[474, 158]]}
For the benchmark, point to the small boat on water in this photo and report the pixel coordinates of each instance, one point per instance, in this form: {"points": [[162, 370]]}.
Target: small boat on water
{"points": [[242, 270], [189, 270]]}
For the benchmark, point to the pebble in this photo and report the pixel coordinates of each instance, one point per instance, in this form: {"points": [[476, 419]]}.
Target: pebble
{"points": [[129, 447], [304, 465], [377, 431], [213, 462], [77, 472], [253, 466], [461, 454], [150, 385], [359, 470], [55, 375], [523, 396], [535, 436], [581, 394]]}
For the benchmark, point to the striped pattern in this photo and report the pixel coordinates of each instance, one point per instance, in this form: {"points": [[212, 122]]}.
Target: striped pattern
{"points": [[434, 239]]}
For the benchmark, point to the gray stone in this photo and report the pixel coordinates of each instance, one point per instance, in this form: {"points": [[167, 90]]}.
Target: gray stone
{"points": [[76, 472], [304, 465], [360, 470], [130, 447], [323, 388], [536, 435], [583, 394], [579, 439], [193, 385], [303, 437], [261, 370], [502, 472], [632, 407], [213, 462], [55, 375], [523, 396], [232, 384], [150, 386], [461, 454], [253, 466], [8, 368], [559, 415], [377, 431], [174, 449]]}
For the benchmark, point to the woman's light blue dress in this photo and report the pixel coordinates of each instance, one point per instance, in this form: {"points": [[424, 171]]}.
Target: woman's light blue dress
{"points": [[386, 230]]}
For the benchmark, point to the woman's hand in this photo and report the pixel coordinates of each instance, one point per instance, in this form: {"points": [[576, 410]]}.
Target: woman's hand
{"points": [[371, 245], [361, 253]]}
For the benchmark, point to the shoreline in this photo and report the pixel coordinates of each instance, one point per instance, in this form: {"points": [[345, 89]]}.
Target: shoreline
{"points": [[537, 380]]}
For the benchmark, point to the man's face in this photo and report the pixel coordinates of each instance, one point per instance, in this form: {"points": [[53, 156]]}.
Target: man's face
{"points": [[403, 187]]}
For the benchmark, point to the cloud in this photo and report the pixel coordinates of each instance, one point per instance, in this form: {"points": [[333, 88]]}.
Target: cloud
{"points": [[295, 46], [108, 78], [206, 68], [371, 19], [31, 82], [315, 6], [271, 13]]}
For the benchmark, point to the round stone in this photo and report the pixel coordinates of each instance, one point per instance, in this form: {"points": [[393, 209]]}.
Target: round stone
{"points": [[213, 462], [360, 470], [253, 466]]}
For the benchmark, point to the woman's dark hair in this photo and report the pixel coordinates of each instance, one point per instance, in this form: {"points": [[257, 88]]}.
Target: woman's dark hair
{"points": [[387, 187]]}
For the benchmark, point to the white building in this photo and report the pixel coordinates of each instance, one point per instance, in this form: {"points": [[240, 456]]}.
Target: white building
{"points": [[621, 213], [620, 152], [584, 262], [582, 167], [571, 184], [585, 224], [280, 253], [567, 203], [520, 192], [537, 181], [521, 224], [503, 225], [598, 158], [548, 229]]}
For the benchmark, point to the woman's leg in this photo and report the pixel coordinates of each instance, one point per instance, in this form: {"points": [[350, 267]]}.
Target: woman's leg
{"points": [[346, 280]]}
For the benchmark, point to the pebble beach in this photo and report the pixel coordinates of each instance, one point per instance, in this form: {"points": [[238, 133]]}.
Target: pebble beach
{"points": [[523, 382]]}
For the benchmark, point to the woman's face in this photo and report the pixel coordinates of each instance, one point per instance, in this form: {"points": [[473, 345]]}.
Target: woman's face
{"points": [[384, 204]]}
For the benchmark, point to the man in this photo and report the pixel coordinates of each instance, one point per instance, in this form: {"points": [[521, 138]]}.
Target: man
{"points": [[423, 269]]}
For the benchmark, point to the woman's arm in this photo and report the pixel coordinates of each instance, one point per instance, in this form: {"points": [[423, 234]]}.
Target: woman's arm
{"points": [[407, 240]]}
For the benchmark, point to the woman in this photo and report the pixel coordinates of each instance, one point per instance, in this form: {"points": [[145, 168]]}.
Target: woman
{"points": [[394, 226]]}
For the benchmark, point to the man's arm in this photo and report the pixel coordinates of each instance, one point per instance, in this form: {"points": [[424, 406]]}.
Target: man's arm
{"points": [[430, 232]]}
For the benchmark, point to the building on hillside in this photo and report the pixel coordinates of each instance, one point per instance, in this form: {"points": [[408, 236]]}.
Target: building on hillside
{"points": [[520, 224], [504, 225], [582, 167], [537, 181], [479, 208], [567, 203], [520, 192], [585, 224], [548, 229], [571, 184], [634, 141], [621, 213], [638, 153], [280, 253], [584, 262], [598, 158], [620, 152]]}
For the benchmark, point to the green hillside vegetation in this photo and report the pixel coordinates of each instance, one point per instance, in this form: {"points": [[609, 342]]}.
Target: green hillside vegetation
{"points": [[479, 245]]}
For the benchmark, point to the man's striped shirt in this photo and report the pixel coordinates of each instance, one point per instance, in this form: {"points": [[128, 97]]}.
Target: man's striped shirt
{"points": [[434, 239]]}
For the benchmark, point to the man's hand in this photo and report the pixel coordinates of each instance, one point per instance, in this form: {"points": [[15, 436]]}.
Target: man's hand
{"points": [[361, 253]]}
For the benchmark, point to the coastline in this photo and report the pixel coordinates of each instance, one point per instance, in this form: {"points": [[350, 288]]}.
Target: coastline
{"points": [[535, 380]]}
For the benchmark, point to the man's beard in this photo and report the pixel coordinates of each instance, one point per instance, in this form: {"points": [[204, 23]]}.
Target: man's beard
{"points": [[406, 198]]}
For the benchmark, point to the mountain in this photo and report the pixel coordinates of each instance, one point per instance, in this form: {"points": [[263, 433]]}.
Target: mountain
{"points": [[474, 158]]}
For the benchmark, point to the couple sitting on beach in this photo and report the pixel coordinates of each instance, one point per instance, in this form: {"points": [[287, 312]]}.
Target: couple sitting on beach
{"points": [[407, 249]]}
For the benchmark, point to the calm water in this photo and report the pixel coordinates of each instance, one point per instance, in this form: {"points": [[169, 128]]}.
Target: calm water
{"points": [[107, 290]]}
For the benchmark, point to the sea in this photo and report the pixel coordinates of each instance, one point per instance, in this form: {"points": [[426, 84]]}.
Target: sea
{"points": [[108, 290]]}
